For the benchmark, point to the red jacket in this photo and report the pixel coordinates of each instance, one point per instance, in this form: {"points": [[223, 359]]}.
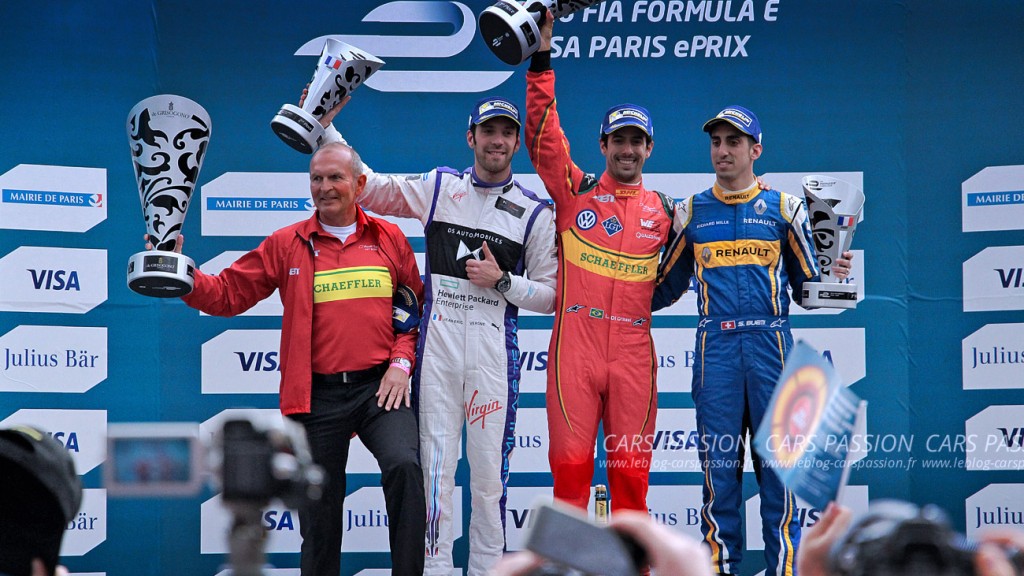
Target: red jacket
{"points": [[284, 261]]}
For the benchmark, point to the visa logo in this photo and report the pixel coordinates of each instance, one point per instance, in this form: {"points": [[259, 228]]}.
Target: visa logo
{"points": [[522, 518], [274, 520], [1012, 436], [55, 279], [68, 440], [675, 440], [534, 361], [807, 516], [1010, 277], [258, 361]]}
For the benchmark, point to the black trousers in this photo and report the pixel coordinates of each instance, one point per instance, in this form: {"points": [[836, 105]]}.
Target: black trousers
{"points": [[338, 411]]}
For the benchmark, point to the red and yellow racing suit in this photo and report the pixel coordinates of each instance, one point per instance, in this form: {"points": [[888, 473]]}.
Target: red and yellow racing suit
{"points": [[602, 364]]}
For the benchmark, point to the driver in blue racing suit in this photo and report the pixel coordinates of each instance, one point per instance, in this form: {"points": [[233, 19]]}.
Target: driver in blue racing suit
{"points": [[743, 245]]}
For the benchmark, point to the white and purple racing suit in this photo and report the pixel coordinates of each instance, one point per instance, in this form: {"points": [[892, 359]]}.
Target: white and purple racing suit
{"points": [[468, 352]]}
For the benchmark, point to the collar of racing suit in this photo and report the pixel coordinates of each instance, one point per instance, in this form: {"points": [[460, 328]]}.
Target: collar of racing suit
{"points": [[499, 187]]}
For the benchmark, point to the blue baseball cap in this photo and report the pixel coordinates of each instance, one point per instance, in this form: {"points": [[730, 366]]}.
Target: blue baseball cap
{"points": [[492, 107], [627, 115], [744, 120]]}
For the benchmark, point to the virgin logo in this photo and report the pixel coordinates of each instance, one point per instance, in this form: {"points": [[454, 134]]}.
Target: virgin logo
{"points": [[478, 412]]}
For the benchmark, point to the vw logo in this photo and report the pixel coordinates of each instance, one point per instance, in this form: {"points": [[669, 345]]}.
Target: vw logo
{"points": [[586, 219]]}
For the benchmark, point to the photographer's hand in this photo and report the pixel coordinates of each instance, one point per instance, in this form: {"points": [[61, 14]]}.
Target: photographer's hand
{"points": [[517, 564], [667, 551], [394, 389], [812, 557], [991, 559]]}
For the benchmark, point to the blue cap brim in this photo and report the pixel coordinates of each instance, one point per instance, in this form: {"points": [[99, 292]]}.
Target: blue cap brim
{"points": [[709, 125], [503, 114], [625, 123]]}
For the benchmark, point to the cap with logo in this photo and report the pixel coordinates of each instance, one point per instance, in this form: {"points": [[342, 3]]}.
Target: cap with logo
{"points": [[744, 120], [39, 495], [493, 107], [48, 461], [624, 115]]}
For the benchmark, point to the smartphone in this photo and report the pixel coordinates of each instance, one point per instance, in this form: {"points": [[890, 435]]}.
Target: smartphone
{"points": [[563, 535]]}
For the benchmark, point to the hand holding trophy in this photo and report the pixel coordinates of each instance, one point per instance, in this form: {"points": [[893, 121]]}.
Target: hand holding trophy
{"points": [[341, 70], [168, 135], [512, 31], [833, 207]]}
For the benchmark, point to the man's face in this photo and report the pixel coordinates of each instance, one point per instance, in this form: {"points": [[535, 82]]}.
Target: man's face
{"points": [[333, 186], [625, 152], [732, 155], [494, 142]]}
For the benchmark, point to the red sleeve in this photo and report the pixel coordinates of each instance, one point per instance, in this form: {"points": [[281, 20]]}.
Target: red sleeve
{"points": [[238, 287], [408, 274], [546, 143]]}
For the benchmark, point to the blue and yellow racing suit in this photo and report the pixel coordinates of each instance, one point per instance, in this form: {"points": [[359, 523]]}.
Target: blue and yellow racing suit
{"points": [[744, 248]]}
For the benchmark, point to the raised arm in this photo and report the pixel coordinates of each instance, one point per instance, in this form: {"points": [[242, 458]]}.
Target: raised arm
{"points": [[545, 141], [405, 196]]}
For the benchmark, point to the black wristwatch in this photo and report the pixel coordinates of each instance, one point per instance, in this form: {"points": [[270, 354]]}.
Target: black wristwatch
{"points": [[504, 283]]}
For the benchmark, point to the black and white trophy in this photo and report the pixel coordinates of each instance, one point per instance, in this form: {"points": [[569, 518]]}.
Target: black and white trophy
{"points": [[168, 135], [833, 207], [512, 29], [341, 69]]}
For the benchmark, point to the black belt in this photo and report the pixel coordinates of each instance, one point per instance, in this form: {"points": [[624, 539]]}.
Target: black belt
{"points": [[353, 377]]}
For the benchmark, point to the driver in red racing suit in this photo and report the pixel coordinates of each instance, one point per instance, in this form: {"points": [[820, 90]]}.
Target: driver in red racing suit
{"points": [[602, 364]]}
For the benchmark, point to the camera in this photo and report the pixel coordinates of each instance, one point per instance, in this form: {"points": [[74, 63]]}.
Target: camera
{"points": [[258, 465], [253, 460], [896, 538]]}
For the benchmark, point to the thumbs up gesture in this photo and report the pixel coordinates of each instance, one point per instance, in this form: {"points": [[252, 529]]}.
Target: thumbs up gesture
{"points": [[483, 273]]}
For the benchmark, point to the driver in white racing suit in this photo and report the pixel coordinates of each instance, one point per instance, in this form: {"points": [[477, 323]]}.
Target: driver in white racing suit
{"points": [[490, 250]]}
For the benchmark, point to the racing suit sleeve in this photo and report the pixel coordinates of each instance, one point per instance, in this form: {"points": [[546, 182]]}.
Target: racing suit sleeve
{"points": [[676, 267], [239, 287], [801, 261], [535, 290], [393, 194], [407, 274], [545, 141]]}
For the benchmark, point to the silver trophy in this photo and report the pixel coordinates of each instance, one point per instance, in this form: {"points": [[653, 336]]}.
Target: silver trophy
{"points": [[512, 31], [833, 206], [168, 135], [342, 68]]}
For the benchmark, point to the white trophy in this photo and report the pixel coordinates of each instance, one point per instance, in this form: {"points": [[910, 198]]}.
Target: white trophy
{"points": [[833, 208], [512, 31], [168, 135], [342, 68]]}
